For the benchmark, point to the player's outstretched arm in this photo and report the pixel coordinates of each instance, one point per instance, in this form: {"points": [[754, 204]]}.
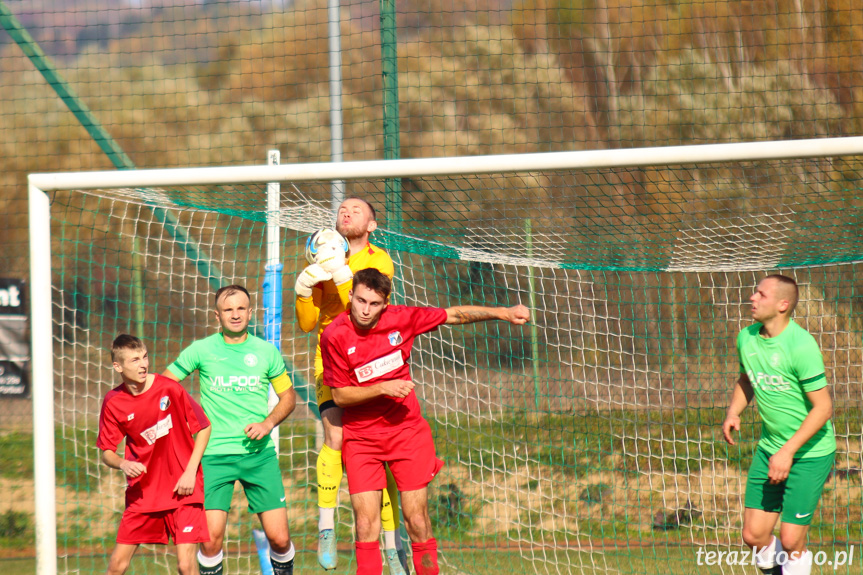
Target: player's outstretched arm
{"points": [[186, 484], [349, 396], [285, 406], [129, 468], [740, 398], [462, 314]]}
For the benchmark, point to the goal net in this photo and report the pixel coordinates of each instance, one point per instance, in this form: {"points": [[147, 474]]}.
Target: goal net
{"points": [[588, 441]]}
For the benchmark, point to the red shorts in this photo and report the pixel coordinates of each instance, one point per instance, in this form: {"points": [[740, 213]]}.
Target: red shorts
{"points": [[185, 524], [409, 453]]}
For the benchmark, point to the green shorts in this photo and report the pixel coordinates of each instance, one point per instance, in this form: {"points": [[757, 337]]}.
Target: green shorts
{"points": [[258, 473], [796, 497]]}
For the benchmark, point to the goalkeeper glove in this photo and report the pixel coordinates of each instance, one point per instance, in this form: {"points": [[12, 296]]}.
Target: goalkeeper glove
{"points": [[309, 278], [331, 256], [342, 275], [332, 261]]}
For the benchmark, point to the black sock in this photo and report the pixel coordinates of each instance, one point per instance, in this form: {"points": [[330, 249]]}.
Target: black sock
{"points": [[217, 570], [279, 568]]}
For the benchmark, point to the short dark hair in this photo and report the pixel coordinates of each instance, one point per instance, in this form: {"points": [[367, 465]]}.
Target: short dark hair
{"points": [[230, 290], [124, 342], [790, 285], [366, 202], [375, 281]]}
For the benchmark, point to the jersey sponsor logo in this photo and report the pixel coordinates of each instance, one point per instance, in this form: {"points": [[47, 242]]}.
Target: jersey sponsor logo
{"points": [[237, 382], [352, 350], [395, 338], [131, 417], [164, 403], [161, 429], [251, 359], [380, 366], [768, 381]]}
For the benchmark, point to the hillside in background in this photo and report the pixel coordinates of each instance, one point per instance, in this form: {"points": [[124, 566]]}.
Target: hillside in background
{"points": [[216, 83]]}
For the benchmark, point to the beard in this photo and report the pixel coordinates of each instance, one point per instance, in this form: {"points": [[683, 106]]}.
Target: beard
{"points": [[351, 232]]}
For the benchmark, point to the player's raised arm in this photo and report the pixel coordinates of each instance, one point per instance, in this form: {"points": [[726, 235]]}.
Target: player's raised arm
{"points": [[462, 314], [306, 310], [326, 250]]}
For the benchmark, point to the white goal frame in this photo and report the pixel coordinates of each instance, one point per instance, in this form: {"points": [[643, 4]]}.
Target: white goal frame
{"points": [[42, 386]]}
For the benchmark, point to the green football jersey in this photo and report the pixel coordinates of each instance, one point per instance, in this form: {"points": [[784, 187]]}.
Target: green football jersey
{"points": [[781, 370], [235, 383]]}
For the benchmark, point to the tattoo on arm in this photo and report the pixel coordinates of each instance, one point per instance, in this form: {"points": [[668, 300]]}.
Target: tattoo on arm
{"points": [[471, 315]]}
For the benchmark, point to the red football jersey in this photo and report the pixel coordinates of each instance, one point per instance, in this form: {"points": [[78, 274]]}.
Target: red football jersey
{"points": [[354, 357], [158, 426]]}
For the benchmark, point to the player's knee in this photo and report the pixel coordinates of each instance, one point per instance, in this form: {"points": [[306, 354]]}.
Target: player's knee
{"points": [[186, 564], [368, 528], [117, 566], [753, 538], [792, 540], [279, 542], [212, 547], [418, 526]]}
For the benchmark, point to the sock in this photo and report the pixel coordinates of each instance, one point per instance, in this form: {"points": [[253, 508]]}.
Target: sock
{"points": [[326, 518], [390, 539], [802, 565], [390, 504], [765, 559], [329, 476], [425, 557], [387, 512], [369, 560], [210, 565], [283, 563]]}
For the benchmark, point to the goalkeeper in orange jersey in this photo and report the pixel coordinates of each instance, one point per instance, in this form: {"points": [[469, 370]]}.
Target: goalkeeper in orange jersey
{"points": [[323, 290]]}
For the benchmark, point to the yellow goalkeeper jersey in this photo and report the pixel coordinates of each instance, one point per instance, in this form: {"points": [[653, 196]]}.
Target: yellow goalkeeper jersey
{"points": [[328, 300]]}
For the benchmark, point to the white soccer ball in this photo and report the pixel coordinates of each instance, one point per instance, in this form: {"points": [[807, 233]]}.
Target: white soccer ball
{"points": [[325, 245]]}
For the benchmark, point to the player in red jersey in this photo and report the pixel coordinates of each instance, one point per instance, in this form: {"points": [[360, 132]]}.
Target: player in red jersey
{"points": [[166, 432], [366, 353]]}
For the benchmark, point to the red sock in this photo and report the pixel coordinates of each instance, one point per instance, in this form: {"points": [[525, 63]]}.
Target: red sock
{"points": [[369, 560], [425, 557]]}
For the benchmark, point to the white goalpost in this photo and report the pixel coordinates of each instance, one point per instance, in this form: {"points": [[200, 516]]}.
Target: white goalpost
{"points": [[569, 446]]}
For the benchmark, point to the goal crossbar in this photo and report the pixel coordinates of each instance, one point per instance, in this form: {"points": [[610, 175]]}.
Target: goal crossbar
{"points": [[505, 163]]}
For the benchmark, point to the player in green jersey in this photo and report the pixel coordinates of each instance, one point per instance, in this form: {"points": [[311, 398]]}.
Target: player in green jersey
{"points": [[235, 369], [782, 367]]}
